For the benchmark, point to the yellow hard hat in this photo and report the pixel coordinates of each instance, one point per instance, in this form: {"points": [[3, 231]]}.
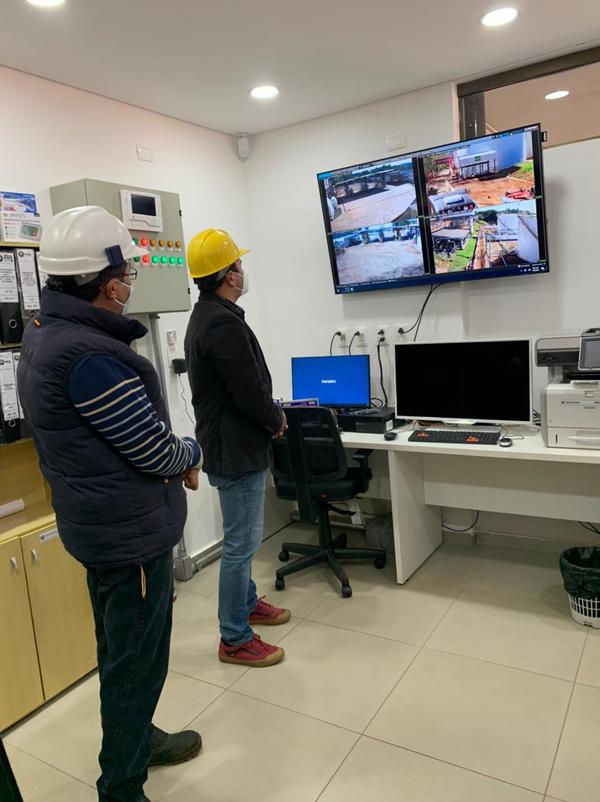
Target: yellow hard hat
{"points": [[210, 251]]}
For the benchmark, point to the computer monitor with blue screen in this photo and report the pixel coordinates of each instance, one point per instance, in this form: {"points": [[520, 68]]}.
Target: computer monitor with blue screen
{"points": [[337, 381]]}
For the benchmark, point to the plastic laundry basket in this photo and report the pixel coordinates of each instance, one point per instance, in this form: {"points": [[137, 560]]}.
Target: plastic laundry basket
{"points": [[580, 568]]}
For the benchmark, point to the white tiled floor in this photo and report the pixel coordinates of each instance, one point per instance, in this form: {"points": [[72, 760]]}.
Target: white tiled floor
{"points": [[468, 684]]}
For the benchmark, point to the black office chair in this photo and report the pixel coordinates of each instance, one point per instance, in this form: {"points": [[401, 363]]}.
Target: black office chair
{"points": [[310, 467]]}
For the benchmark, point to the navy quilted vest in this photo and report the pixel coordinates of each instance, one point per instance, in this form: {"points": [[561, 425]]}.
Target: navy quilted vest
{"points": [[108, 513]]}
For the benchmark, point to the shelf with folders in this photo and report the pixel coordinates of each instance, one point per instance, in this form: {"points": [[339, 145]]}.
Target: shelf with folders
{"points": [[19, 303], [13, 427], [20, 292]]}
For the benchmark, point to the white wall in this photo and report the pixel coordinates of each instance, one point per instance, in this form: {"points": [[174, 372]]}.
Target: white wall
{"points": [[52, 134], [291, 261], [299, 310]]}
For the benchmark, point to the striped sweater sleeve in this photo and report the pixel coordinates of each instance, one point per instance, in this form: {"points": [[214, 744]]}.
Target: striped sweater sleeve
{"points": [[112, 398]]}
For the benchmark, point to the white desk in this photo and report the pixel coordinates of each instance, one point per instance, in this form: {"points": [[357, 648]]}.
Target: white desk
{"points": [[526, 479]]}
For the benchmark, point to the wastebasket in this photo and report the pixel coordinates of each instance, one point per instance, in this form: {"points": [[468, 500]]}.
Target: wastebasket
{"points": [[380, 533], [580, 569]]}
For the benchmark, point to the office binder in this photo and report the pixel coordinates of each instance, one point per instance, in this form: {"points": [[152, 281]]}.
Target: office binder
{"points": [[25, 429], [28, 285], [11, 322], [10, 422]]}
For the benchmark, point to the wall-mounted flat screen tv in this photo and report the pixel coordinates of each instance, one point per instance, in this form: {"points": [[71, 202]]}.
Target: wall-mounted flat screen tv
{"points": [[469, 210]]}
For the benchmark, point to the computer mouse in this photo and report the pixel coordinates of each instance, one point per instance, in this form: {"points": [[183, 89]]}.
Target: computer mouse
{"points": [[390, 435], [505, 442]]}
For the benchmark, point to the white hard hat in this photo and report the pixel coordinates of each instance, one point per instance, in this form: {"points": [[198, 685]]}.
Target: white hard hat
{"points": [[83, 241]]}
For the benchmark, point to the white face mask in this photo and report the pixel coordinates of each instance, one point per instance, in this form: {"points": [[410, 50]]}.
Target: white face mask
{"points": [[245, 284], [125, 306]]}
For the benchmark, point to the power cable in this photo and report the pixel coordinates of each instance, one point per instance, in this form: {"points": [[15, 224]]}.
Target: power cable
{"points": [[380, 341], [184, 399], [468, 529], [416, 325]]}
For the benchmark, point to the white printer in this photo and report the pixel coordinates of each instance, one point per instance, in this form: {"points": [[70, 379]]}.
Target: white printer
{"points": [[570, 413]]}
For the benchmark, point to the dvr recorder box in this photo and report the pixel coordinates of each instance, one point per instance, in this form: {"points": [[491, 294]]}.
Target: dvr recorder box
{"points": [[367, 421]]}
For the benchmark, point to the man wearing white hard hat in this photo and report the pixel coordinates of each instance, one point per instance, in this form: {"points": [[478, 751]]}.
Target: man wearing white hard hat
{"points": [[116, 471]]}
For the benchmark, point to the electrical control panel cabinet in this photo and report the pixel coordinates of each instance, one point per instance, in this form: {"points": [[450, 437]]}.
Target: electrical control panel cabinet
{"points": [[162, 284]]}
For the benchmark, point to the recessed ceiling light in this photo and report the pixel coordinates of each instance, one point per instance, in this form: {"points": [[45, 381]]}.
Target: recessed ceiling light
{"points": [[500, 16], [46, 3], [264, 92], [560, 93]]}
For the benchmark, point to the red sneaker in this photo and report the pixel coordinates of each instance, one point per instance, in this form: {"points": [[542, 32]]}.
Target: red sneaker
{"points": [[265, 613], [255, 653]]}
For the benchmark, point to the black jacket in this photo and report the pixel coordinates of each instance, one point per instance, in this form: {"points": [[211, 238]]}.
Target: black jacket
{"points": [[232, 392], [108, 512]]}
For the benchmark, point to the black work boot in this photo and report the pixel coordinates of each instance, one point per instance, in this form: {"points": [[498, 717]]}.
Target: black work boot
{"points": [[170, 749]]}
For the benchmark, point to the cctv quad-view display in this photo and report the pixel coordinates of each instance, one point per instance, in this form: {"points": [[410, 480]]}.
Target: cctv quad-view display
{"points": [[372, 220], [469, 210]]}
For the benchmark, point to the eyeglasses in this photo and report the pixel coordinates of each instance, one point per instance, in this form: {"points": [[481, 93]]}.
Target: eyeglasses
{"points": [[131, 274]]}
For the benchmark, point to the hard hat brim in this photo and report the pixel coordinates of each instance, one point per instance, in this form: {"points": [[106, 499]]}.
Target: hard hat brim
{"points": [[83, 267], [243, 252]]}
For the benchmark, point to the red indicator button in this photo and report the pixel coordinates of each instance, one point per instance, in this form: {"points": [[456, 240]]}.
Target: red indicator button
{"points": [[143, 242], [146, 258]]}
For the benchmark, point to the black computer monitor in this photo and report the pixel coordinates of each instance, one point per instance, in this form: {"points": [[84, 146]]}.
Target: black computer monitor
{"points": [[337, 381], [476, 381], [468, 210]]}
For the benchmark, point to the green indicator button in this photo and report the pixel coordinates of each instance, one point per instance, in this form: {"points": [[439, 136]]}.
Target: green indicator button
{"points": [[135, 240], [172, 260], [181, 260], [136, 258], [154, 259], [164, 260]]}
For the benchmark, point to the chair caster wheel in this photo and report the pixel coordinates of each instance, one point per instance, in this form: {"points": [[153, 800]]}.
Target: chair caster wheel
{"points": [[284, 556], [279, 584], [346, 591], [380, 562]]}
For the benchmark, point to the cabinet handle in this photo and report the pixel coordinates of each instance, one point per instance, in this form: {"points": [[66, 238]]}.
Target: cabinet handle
{"points": [[35, 556], [14, 564]]}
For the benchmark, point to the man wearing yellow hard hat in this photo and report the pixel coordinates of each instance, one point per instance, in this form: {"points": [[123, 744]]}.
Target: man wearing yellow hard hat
{"points": [[236, 419]]}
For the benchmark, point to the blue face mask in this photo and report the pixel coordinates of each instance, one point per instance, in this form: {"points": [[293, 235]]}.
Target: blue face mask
{"points": [[125, 306]]}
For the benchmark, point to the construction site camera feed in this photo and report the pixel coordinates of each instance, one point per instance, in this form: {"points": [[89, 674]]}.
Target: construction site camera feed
{"points": [[483, 205], [373, 220], [473, 209]]}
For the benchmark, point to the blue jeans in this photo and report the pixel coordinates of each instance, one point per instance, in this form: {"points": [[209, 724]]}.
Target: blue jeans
{"points": [[242, 505]]}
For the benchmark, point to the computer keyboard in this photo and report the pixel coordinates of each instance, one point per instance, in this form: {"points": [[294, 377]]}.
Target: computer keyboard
{"points": [[448, 436]]}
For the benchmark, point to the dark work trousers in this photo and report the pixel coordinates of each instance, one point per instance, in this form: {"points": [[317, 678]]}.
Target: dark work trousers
{"points": [[133, 610], [9, 791]]}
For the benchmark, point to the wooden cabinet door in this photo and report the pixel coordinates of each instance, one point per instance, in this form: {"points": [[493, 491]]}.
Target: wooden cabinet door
{"points": [[20, 683], [61, 609]]}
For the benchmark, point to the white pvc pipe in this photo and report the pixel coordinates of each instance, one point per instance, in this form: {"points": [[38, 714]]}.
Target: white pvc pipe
{"points": [[12, 507]]}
